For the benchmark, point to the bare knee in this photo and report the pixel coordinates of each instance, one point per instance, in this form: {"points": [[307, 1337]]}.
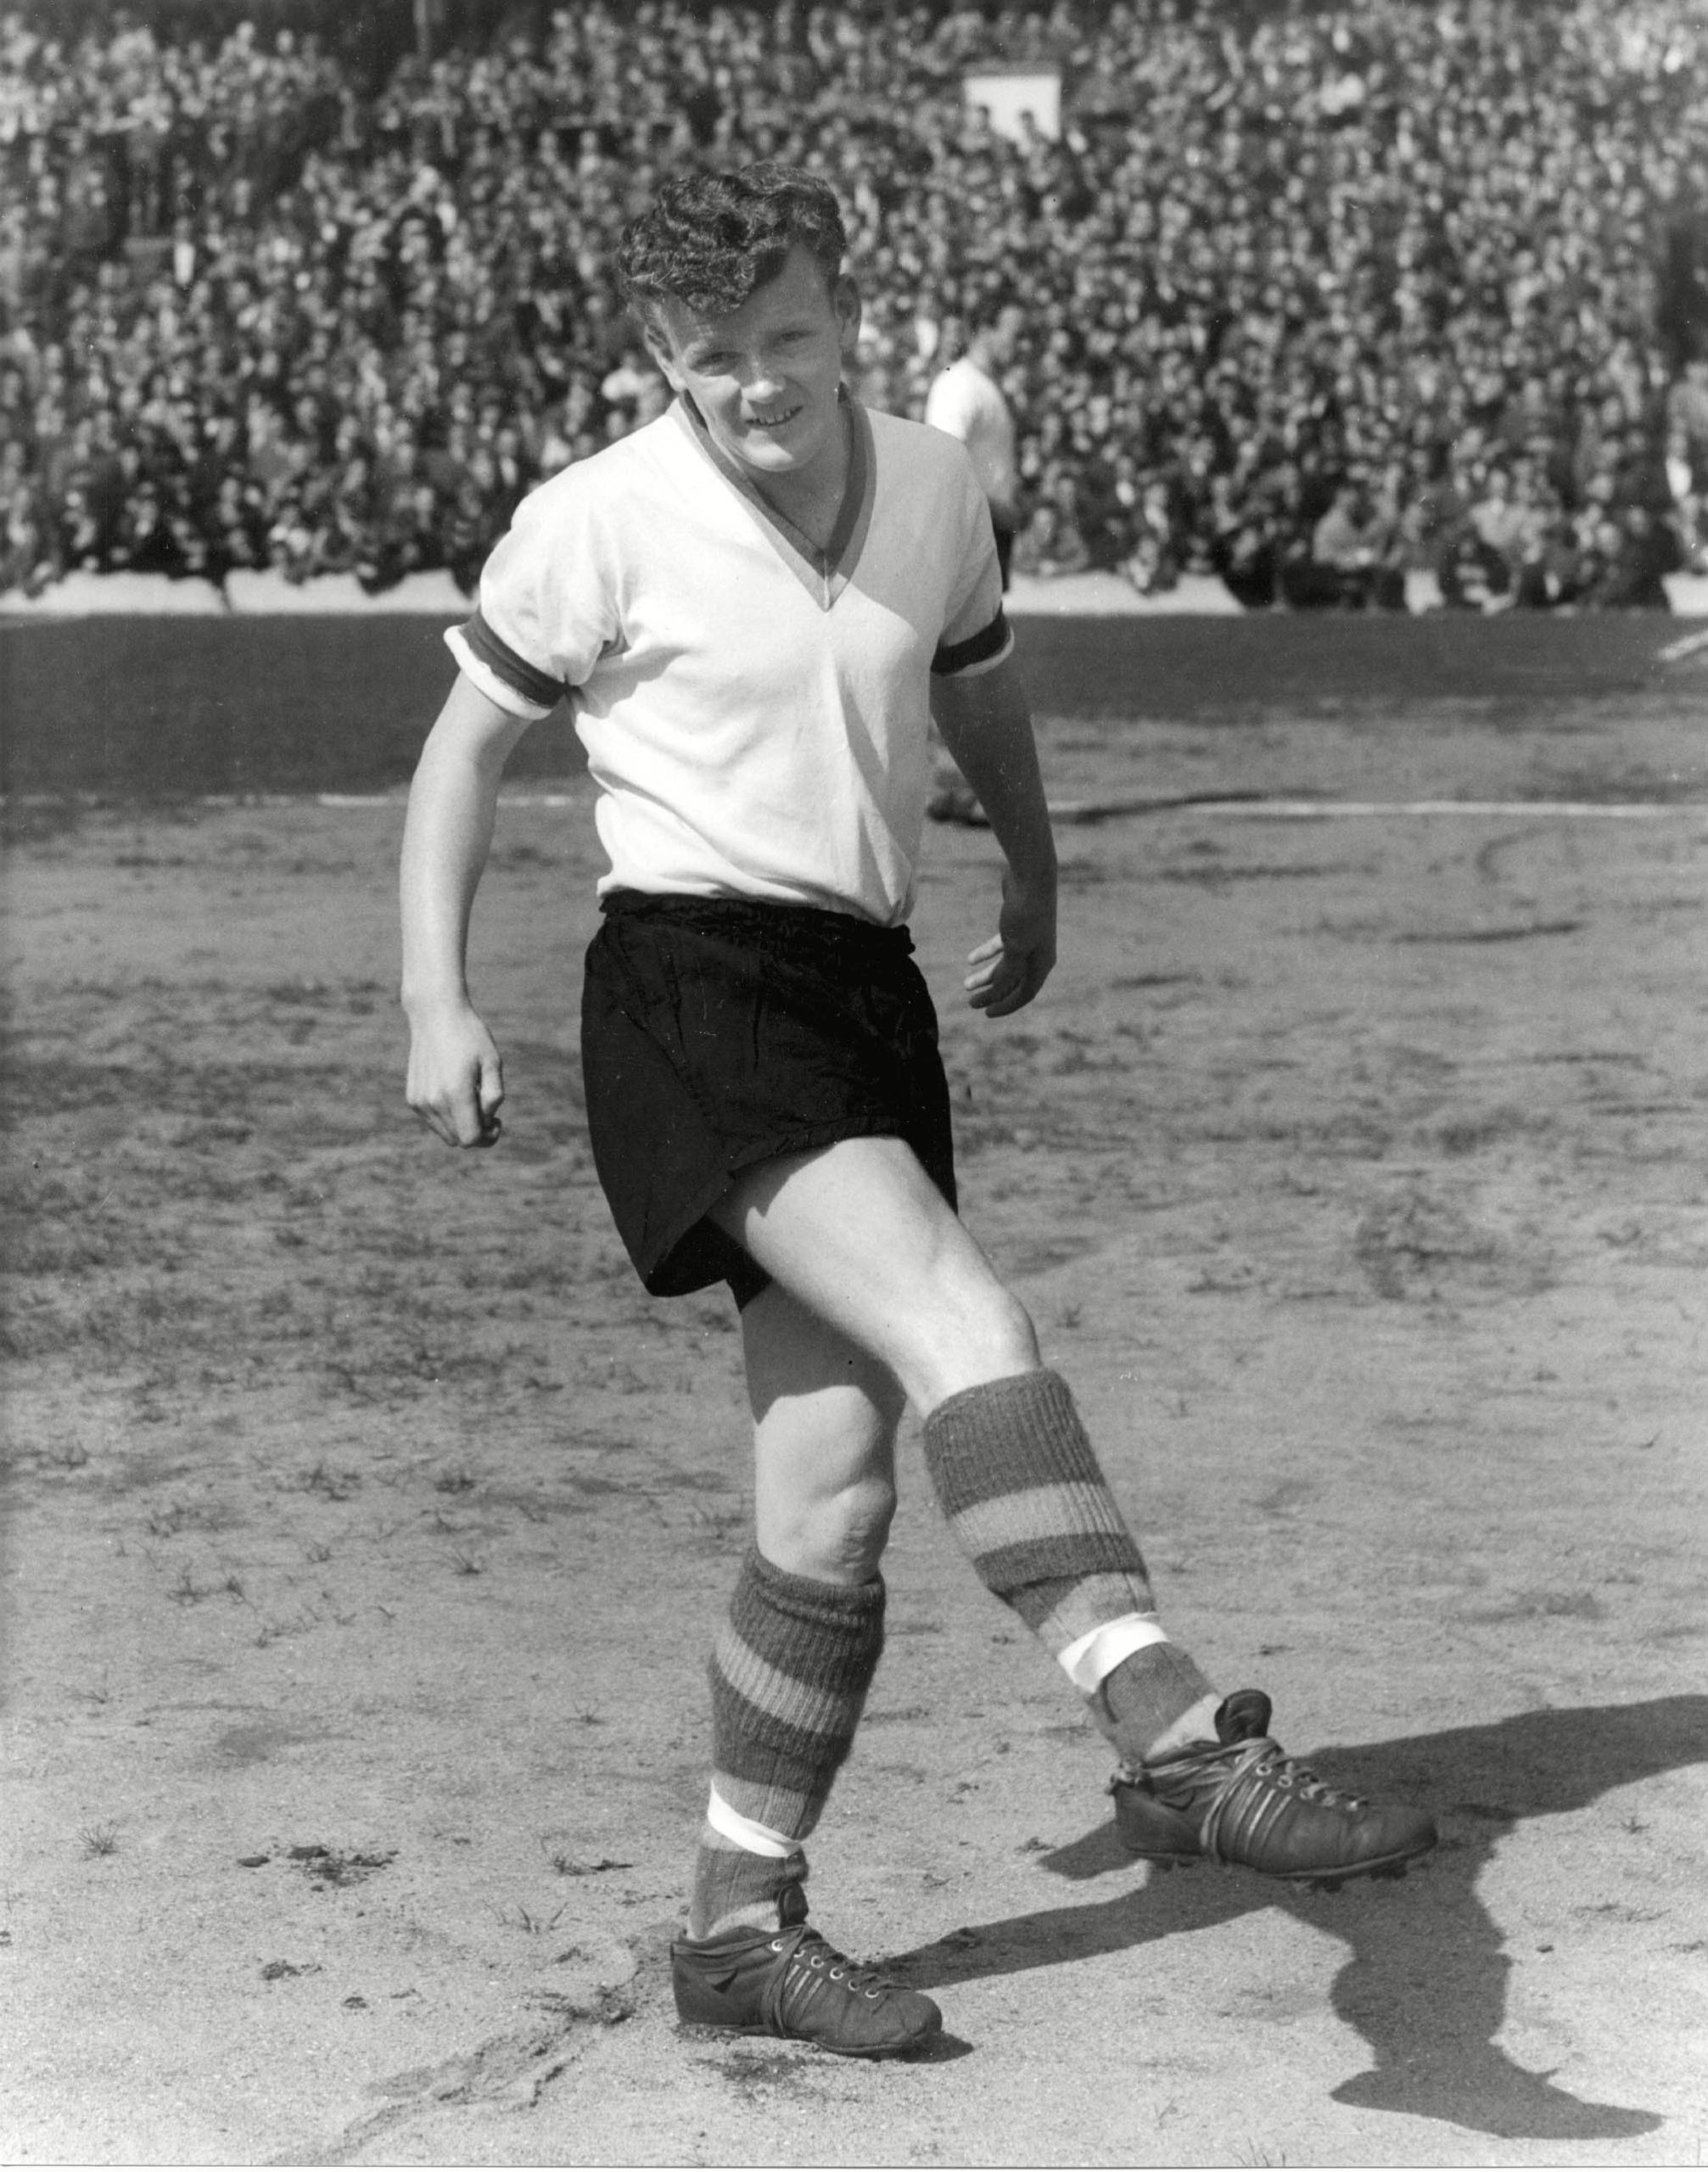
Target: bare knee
{"points": [[1010, 1341], [835, 1538], [983, 1334]]}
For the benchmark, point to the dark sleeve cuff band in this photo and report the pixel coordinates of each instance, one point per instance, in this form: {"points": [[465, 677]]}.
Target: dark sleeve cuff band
{"points": [[978, 648], [502, 661]]}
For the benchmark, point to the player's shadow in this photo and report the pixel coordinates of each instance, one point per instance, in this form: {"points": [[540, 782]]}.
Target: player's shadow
{"points": [[1425, 1981]]}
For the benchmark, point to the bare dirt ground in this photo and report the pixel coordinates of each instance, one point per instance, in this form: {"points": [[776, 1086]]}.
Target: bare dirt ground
{"points": [[366, 1526]]}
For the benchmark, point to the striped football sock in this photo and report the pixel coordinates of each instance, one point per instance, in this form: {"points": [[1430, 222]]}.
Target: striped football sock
{"points": [[1024, 1494], [789, 1674]]}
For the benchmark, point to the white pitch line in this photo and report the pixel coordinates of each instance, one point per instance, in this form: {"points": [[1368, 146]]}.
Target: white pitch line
{"points": [[1253, 807], [1079, 810], [1573, 810], [1675, 652], [1292, 811]]}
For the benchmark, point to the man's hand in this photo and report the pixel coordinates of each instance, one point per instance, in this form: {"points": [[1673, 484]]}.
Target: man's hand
{"points": [[1009, 970], [987, 728], [456, 1080], [456, 1076]]}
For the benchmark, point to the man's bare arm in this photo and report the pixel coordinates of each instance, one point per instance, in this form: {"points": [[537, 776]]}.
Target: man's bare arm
{"points": [[456, 1076], [987, 727]]}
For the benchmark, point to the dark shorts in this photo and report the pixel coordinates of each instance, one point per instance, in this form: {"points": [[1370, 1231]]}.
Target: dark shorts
{"points": [[717, 1035]]}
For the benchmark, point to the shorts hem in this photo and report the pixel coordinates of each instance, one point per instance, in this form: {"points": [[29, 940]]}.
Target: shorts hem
{"points": [[807, 1140]]}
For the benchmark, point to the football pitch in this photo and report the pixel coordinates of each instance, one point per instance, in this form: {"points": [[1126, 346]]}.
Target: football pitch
{"points": [[367, 1527]]}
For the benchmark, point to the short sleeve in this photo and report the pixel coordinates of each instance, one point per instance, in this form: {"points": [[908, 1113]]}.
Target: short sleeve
{"points": [[546, 611], [976, 633]]}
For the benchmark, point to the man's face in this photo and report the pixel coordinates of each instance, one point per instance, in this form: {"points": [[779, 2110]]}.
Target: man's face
{"points": [[1005, 337], [765, 376]]}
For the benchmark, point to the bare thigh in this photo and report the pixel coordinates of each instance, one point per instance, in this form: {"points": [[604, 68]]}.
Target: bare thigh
{"points": [[859, 1236]]}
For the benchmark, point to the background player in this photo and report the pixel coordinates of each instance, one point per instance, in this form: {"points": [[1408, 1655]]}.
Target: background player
{"points": [[755, 602], [967, 400]]}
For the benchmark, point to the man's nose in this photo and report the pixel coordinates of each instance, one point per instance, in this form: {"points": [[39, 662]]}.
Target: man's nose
{"points": [[764, 375]]}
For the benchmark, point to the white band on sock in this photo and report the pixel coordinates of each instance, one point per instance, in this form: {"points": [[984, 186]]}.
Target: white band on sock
{"points": [[747, 1832], [1087, 1660]]}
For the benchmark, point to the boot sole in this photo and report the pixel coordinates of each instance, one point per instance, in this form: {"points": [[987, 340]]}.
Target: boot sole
{"points": [[695, 2032], [1321, 1880]]}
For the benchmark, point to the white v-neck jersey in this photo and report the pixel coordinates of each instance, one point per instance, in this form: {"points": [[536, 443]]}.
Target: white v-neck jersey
{"points": [[755, 713]]}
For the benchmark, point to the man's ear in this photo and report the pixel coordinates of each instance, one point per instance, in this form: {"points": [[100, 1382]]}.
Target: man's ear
{"points": [[657, 342], [846, 301]]}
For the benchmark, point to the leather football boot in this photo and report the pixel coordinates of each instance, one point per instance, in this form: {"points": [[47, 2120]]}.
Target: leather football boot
{"points": [[1242, 1800], [790, 1983]]}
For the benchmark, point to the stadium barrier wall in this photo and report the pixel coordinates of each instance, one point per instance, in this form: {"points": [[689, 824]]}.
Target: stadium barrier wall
{"points": [[122, 706]]}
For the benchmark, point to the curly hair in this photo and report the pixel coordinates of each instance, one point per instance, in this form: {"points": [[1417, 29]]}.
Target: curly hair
{"points": [[709, 240]]}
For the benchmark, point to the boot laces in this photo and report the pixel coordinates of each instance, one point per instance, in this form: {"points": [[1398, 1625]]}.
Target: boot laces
{"points": [[1273, 1763], [1256, 1781], [1268, 1762], [812, 1950]]}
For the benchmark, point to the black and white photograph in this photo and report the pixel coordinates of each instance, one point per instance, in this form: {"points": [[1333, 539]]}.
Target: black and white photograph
{"points": [[853, 1217]]}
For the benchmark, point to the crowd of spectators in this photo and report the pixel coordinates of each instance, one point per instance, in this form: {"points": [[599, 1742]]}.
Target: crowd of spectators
{"points": [[1316, 297]]}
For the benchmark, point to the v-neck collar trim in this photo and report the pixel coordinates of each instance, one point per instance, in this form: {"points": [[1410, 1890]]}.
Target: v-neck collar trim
{"points": [[823, 573]]}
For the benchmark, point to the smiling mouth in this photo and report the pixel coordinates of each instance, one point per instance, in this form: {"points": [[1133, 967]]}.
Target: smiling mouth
{"points": [[773, 421]]}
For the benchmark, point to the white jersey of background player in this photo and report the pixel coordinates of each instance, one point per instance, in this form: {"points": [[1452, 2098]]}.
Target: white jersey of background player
{"points": [[967, 402]]}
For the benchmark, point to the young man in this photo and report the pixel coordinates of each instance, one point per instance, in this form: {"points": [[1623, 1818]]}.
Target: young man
{"points": [[967, 400], [755, 603]]}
